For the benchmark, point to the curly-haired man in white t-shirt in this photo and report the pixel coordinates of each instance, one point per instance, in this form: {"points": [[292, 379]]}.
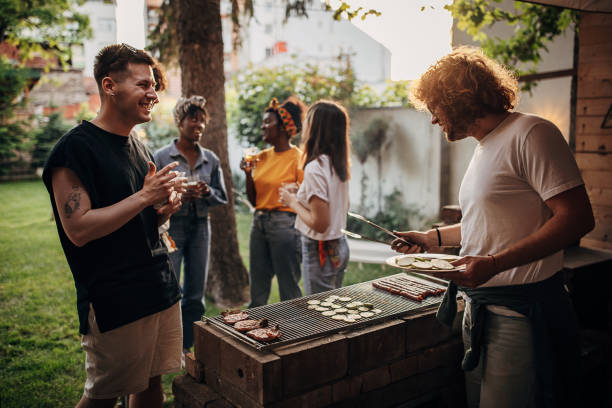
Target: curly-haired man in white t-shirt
{"points": [[523, 201]]}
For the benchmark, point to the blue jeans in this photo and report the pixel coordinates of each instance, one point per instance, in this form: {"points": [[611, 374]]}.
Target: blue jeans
{"points": [[505, 376], [191, 235], [317, 279], [274, 250]]}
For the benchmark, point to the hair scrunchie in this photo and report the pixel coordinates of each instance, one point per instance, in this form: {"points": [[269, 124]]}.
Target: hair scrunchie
{"points": [[287, 121]]}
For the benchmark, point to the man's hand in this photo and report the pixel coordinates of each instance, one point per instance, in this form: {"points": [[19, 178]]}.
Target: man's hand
{"points": [[167, 210], [158, 185], [196, 192], [478, 270], [414, 241]]}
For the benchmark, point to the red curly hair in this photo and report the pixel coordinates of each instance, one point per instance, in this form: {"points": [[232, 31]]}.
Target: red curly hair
{"points": [[465, 85]]}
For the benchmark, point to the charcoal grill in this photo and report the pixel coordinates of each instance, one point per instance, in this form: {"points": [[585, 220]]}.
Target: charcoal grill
{"points": [[298, 323]]}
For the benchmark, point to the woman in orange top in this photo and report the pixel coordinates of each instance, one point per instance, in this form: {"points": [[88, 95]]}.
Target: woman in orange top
{"points": [[275, 243]]}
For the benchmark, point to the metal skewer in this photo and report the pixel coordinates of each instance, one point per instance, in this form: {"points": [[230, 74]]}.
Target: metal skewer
{"points": [[362, 218], [358, 236]]}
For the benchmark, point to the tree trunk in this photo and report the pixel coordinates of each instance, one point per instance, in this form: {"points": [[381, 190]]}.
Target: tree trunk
{"points": [[200, 42]]}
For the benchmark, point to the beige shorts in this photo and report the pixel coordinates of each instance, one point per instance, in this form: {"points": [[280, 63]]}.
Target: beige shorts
{"points": [[121, 361]]}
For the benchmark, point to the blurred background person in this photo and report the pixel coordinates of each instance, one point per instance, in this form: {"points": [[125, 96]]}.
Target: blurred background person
{"points": [[274, 242], [322, 200], [189, 227]]}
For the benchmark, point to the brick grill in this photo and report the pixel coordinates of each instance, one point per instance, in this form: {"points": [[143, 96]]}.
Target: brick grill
{"points": [[404, 357], [298, 323]]}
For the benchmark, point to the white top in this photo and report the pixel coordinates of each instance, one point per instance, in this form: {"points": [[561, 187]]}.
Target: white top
{"points": [[519, 165], [321, 180]]}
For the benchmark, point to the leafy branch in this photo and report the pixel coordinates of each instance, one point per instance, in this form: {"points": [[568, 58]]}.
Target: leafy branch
{"points": [[535, 27], [164, 40], [43, 27]]}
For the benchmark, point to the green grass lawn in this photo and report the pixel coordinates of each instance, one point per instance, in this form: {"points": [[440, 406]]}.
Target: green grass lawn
{"points": [[42, 362]]}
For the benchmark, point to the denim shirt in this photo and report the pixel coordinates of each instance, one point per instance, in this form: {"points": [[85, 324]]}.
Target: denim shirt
{"points": [[207, 167]]}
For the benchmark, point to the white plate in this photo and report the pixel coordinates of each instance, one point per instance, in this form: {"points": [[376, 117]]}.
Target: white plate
{"points": [[393, 262]]}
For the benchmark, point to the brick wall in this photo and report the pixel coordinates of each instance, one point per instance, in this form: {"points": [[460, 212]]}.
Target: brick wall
{"points": [[412, 361]]}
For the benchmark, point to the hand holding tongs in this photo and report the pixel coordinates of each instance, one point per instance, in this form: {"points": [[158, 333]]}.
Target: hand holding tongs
{"points": [[362, 218]]}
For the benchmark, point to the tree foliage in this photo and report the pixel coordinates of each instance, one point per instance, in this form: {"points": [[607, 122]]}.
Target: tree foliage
{"points": [[252, 90], [47, 136], [44, 27], [342, 9], [12, 82], [164, 39], [535, 26]]}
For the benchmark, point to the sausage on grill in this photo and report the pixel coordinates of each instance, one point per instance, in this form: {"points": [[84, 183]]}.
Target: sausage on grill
{"points": [[246, 325], [266, 334], [234, 316]]}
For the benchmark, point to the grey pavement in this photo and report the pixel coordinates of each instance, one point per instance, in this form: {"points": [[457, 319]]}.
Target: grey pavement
{"points": [[369, 252]]}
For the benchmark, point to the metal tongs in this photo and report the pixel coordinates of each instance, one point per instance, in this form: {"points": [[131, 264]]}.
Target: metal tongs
{"points": [[359, 236], [364, 219]]}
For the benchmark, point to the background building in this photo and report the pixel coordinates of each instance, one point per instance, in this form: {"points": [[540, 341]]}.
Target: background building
{"points": [[269, 40]]}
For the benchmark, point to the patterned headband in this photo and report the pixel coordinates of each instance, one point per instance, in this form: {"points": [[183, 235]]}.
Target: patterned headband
{"points": [[288, 123]]}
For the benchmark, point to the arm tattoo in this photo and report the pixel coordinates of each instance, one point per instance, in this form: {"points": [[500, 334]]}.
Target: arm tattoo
{"points": [[74, 201]]}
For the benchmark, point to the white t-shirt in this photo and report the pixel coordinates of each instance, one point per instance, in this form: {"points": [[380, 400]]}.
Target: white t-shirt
{"points": [[519, 165], [321, 180]]}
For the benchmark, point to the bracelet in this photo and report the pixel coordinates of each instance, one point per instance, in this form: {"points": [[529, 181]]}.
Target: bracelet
{"points": [[494, 261], [439, 237]]}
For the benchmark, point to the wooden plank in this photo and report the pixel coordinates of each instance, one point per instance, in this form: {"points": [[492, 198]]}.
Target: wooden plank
{"points": [[237, 397], [596, 52], [594, 88], [375, 379], [596, 244], [312, 363], [194, 368], [594, 161], [591, 125], [597, 179], [318, 398], [423, 330], [447, 354], [253, 372], [188, 393], [602, 232], [588, 20], [600, 196], [591, 35], [603, 217], [593, 143], [596, 70], [600, 235], [207, 344], [404, 368], [376, 346], [593, 107]]}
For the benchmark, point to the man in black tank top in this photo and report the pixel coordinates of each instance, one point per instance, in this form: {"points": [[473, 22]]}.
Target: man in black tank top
{"points": [[108, 201]]}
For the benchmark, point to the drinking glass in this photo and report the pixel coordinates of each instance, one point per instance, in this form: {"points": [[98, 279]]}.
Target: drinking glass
{"points": [[249, 155], [290, 186], [193, 180]]}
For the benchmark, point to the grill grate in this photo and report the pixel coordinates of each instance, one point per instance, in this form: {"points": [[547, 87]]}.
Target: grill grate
{"points": [[298, 323]]}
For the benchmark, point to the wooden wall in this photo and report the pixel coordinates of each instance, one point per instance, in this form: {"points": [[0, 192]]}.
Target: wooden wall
{"points": [[594, 143]]}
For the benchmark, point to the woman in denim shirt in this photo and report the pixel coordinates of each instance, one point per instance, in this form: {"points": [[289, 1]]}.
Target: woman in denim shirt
{"points": [[189, 227]]}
